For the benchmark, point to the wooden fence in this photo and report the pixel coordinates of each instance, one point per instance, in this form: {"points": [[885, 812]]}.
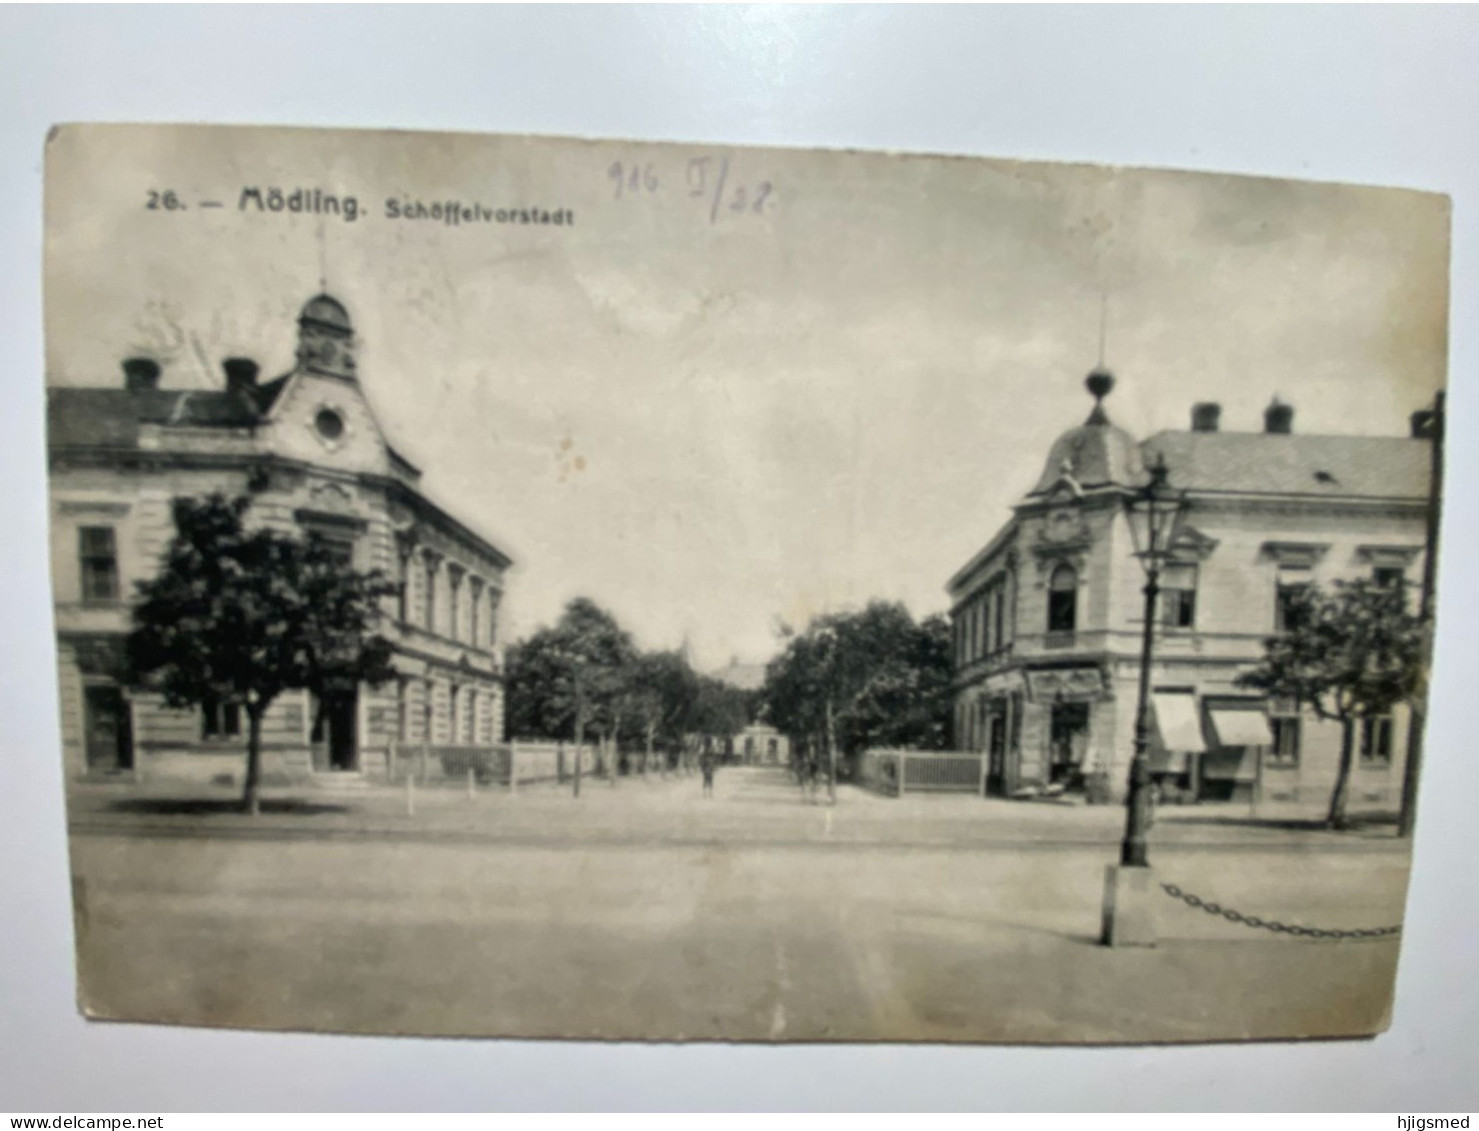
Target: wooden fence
{"points": [[897, 772]]}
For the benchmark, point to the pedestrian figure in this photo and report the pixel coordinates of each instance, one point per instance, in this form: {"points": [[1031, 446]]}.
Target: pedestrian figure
{"points": [[706, 764]]}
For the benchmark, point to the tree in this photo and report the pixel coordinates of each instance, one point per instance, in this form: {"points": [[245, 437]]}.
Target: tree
{"points": [[662, 690], [566, 679], [906, 699], [719, 711], [1349, 654], [860, 679], [239, 616]]}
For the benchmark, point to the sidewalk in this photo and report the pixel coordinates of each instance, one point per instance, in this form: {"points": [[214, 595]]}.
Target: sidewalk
{"points": [[751, 806]]}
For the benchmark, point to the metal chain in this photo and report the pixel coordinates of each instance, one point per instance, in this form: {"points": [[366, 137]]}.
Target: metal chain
{"points": [[1270, 925]]}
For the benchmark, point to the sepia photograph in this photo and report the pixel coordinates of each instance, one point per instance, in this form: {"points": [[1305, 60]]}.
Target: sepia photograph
{"points": [[530, 587]]}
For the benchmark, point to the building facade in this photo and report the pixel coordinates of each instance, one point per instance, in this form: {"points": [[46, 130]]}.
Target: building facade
{"points": [[1048, 616], [760, 744], [307, 448]]}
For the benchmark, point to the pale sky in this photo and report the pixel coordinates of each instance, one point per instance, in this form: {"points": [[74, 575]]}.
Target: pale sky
{"points": [[708, 419]]}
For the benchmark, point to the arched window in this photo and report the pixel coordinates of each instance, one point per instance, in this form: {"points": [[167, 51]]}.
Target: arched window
{"points": [[1063, 599]]}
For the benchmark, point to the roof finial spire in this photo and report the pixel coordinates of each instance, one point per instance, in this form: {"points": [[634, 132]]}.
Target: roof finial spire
{"points": [[1103, 324], [1100, 380]]}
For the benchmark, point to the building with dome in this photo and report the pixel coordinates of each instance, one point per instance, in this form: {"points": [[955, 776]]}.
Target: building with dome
{"points": [[309, 449], [1048, 616]]}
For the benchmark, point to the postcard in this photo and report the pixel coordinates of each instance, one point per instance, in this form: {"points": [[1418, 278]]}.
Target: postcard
{"points": [[534, 587]]}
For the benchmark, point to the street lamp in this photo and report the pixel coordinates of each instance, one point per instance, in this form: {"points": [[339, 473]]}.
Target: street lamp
{"points": [[1154, 512]]}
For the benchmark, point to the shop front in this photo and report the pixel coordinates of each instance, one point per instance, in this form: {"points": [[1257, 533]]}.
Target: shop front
{"points": [[1206, 748], [1068, 730]]}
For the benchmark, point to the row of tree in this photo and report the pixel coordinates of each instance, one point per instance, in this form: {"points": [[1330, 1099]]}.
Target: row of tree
{"points": [[846, 682], [584, 677]]}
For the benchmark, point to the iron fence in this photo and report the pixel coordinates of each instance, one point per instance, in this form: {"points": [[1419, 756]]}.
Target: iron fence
{"points": [[897, 772]]}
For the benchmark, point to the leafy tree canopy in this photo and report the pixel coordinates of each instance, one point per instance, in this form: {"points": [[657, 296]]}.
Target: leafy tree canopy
{"points": [[570, 675], [240, 616], [1352, 652], [884, 679], [584, 671]]}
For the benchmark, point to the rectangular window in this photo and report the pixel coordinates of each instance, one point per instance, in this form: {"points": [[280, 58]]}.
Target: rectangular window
{"points": [[220, 720], [1287, 735], [1179, 595], [1376, 741], [98, 555], [1293, 584], [999, 618], [403, 598]]}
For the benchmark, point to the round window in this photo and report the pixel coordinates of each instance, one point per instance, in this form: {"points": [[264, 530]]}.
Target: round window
{"points": [[329, 423]]}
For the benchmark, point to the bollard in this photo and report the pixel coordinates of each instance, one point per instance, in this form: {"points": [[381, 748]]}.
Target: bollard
{"points": [[410, 794], [472, 783], [513, 774]]}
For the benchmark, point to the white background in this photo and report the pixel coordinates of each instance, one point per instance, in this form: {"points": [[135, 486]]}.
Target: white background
{"points": [[1369, 95]]}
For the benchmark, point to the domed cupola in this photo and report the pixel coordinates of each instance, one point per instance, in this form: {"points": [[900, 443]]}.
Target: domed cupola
{"points": [[326, 338], [1096, 453]]}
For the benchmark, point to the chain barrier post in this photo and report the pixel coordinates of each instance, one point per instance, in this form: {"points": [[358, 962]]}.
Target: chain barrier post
{"points": [[1278, 928]]}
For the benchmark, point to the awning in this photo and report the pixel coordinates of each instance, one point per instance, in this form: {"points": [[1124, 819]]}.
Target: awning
{"points": [[1176, 719], [1241, 728]]}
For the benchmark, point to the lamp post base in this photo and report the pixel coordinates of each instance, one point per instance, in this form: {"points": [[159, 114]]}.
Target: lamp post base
{"points": [[1129, 906]]}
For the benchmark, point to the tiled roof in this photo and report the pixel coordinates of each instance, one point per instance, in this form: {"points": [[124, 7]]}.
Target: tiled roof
{"points": [[110, 418], [1095, 454], [1382, 467], [91, 418]]}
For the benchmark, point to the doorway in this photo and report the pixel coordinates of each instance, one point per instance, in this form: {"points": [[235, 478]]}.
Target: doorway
{"points": [[996, 754], [333, 737], [107, 730], [1068, 741]]}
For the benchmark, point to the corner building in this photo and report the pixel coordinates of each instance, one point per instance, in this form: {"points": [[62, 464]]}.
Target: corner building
{"points": [[308, 449], [1048, 616]]}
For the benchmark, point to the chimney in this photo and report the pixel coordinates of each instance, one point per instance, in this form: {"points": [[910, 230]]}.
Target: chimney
{"points": [[241, 374], [1278, 418], [1205, 416], [1423, 421], [140, 374]]}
